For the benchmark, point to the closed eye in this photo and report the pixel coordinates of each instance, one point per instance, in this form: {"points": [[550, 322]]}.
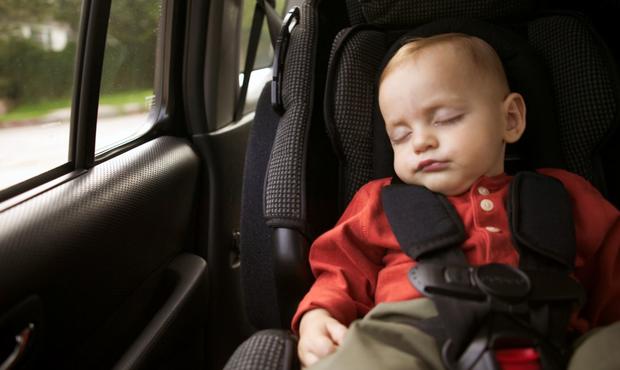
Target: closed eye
{"points": [[448, 121], [399, 135]]}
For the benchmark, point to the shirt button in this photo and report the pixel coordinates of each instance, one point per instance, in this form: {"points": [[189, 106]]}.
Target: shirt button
{"points": [[483, 191], [493, 229], [487, 205]]}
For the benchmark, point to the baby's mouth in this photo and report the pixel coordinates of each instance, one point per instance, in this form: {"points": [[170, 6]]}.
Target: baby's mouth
{"points": [[431, 165]]}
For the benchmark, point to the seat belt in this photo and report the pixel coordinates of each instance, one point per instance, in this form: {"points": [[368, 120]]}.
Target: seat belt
{"points": [[263, 9], [492, 306]]}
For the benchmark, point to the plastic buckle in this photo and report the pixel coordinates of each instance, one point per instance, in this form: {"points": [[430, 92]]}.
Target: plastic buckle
{"points": [[496, 283], [503, 281], [489, 350], [518, 358], [290, 21]]}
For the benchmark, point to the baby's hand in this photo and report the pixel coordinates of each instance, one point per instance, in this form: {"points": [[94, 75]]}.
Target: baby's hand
{"points": [[319, 335]]}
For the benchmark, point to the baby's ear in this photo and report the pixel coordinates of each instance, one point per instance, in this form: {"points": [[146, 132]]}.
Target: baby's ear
{"points": [[514, 111]]}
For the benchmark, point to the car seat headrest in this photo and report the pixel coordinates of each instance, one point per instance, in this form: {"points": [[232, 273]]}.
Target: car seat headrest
{"points": [[406, 13], [527, 74], [564, 70], [356, 127]]}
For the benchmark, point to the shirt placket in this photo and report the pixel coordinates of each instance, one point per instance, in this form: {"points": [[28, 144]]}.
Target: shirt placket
{"points": [[491, 219]]}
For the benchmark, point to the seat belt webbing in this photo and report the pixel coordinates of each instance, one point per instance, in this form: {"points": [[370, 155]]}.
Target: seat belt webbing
{"points": [[263, 9]]}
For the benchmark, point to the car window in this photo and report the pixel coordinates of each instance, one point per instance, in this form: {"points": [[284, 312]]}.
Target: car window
{"points": [[264, 52], [38, 47], [127, 87], [37, 52]]}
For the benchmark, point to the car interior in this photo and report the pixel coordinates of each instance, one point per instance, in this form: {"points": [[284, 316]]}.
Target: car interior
{"points": [[536, 48], [187, 247]]}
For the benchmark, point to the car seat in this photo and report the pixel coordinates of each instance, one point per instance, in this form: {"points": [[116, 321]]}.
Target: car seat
{"points": [[324, 139]]}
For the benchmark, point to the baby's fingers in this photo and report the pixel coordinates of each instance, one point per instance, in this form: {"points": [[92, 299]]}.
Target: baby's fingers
{"points": [[313, 350], [309, 359], [322, 346], [336, 331]]}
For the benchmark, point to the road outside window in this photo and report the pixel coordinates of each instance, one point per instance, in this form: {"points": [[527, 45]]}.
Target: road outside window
{"points": [[37, 52]]}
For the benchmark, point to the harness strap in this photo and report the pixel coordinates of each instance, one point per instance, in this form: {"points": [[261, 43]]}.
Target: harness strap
{"points": [[428, 228], [476, 310], [422, 221], [541, 217], [541, 220]]}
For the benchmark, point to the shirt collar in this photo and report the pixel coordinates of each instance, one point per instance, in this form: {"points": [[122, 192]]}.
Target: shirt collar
{"points": [[491, 183]]}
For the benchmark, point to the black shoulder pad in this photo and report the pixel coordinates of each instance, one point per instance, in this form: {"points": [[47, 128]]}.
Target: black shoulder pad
{"points": [[423, 221], [541, 218]]}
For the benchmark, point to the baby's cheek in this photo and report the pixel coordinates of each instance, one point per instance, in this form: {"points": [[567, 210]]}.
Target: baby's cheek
{"points": [[403, 159], [410, 178], [402, 169]]}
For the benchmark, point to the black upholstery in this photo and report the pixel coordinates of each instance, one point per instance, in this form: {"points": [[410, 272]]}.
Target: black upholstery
{"points": [[399, 13], [259, 287], [267, 349], [284, 205], [281, 201], [586, 90]]}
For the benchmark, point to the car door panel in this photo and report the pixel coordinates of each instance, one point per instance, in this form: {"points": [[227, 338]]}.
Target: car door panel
{"points": [[96, 250], [179, 294]]}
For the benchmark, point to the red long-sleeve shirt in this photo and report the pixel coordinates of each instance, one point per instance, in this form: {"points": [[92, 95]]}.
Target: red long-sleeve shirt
{"points": [[359, 264]]}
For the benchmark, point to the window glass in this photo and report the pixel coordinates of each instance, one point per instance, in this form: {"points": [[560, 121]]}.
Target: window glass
{"points": [[37, 52], [127, 84], [264, 53]]}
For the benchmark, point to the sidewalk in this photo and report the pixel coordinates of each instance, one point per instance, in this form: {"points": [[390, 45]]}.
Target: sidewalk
{"points": [[28, 150], [64, 115]]}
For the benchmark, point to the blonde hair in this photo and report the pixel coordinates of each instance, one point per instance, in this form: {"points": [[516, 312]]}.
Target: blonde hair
{"points": [[480, 53]]}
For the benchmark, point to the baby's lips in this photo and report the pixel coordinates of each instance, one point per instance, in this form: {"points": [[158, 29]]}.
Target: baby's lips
{"points": [[430, 165]]}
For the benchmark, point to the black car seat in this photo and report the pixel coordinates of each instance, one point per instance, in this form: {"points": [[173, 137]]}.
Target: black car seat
{"points": [[318, 136]]}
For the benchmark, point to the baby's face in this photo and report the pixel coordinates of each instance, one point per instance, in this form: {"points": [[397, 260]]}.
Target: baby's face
{"points": [[445, 120]]}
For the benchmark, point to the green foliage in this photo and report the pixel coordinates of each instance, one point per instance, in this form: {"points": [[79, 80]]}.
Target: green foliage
{"points": [[34, 110], [40, 109], [130, 47], [126, 97], [29, 73]]}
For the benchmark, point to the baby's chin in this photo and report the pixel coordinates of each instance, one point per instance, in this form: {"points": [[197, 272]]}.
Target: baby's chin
{"points": [[447, 188]]}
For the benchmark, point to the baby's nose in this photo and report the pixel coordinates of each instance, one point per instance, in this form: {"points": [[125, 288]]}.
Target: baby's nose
{"points": [[423, 141]]}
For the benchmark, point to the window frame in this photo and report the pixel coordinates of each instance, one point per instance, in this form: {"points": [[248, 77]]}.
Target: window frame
{"points": [[87, 74], [221, 68], [164, 103]]}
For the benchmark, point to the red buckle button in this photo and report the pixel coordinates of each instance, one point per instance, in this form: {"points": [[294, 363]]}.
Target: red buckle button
{"points": [[518, 359]]}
